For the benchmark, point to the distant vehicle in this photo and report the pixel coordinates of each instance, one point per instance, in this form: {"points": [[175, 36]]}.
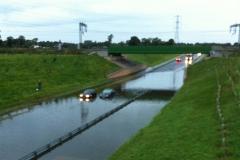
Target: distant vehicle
{"points": [[88, 94], [178, 60], [199, 54], [107, 93], [188, 59]]}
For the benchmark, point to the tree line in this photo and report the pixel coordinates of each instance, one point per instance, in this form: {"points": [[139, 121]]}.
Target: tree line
{"points": [[22, 42]]}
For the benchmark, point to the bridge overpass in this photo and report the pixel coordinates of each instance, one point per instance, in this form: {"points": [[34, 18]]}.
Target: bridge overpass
{"points": [[174, 49]]}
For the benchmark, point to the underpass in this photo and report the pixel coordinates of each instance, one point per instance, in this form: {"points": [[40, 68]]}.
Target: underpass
{"points": [[53, 119]]}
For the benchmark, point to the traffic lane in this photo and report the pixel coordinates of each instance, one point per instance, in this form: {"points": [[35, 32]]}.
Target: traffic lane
{"points": [[174, 65], [171, 66]]}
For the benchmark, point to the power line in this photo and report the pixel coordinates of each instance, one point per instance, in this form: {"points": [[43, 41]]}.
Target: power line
{"points": [[121, 32]]}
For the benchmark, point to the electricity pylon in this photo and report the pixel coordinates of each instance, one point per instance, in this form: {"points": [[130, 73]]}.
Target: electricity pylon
{"points": [[233, 29], [82, 30]]}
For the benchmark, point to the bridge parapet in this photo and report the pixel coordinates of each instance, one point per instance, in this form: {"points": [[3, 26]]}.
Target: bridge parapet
{"points": [[174, 49]]}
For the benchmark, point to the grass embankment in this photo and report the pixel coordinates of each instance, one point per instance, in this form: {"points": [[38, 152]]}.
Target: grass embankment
{"points": [[189, 128], [20, 73], [150, 59]]}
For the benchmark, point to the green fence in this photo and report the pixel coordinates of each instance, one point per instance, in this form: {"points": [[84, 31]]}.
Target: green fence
{"points": [[175, 49]]}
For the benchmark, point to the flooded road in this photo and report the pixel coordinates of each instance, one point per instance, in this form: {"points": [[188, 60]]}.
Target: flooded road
{"points": [[23, 131], [167, 80]]}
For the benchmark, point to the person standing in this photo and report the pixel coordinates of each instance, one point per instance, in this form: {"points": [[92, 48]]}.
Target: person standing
{"points": [[39, 86]]}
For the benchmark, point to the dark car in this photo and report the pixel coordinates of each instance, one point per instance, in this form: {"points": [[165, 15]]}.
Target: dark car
{"points": [[107, 93], [88, 94]]}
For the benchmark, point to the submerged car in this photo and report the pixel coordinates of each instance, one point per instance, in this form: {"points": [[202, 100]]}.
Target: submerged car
{"points": [[107, 93], [88, 94], [87, 99]]}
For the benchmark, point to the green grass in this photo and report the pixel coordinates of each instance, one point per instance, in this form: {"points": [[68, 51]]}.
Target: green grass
{"points": [[230, 80], [59, 74], [150, 59], [188, 128]]}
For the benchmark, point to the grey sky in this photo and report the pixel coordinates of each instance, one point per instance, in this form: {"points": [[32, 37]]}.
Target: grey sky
{"points": [[201, 20]]}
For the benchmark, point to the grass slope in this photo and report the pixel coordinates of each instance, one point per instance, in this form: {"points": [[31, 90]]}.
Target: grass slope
{"points": [[21, 73], [230, 103], [188, 128], [150, 59]]}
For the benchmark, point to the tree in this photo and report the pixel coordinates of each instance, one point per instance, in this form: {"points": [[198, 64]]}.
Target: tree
{"points": [[21, 41], [170, 42], [110, 38], [1, 41], [156, 41], [121, 43], [236, 44], [35, 41], [134, 41], [146, 41], [88, 44], [10, 41]]}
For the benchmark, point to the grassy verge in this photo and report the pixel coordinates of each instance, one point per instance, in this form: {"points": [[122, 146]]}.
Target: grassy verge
{"points": [[20, 74], [230, 98], [150, 59], [189, 128]]}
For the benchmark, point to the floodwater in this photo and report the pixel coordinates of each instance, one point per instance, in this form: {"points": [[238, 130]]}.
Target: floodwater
{"points": [[168, 80], [23, 131]]}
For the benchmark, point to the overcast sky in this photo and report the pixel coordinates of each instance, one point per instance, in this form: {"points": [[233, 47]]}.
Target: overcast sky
{"points": [[200, 21]]}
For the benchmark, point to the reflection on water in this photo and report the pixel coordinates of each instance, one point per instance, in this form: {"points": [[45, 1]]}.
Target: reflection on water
{"points": [[84, 113], [27, 129]]}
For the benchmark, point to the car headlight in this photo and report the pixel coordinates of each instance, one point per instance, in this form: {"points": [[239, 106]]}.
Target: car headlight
{"points": [[87, 95], [81, 95], [190, 62], [87, 100]]}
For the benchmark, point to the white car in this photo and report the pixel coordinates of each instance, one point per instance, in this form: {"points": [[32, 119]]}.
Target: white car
{"points": [[188, 59]]}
